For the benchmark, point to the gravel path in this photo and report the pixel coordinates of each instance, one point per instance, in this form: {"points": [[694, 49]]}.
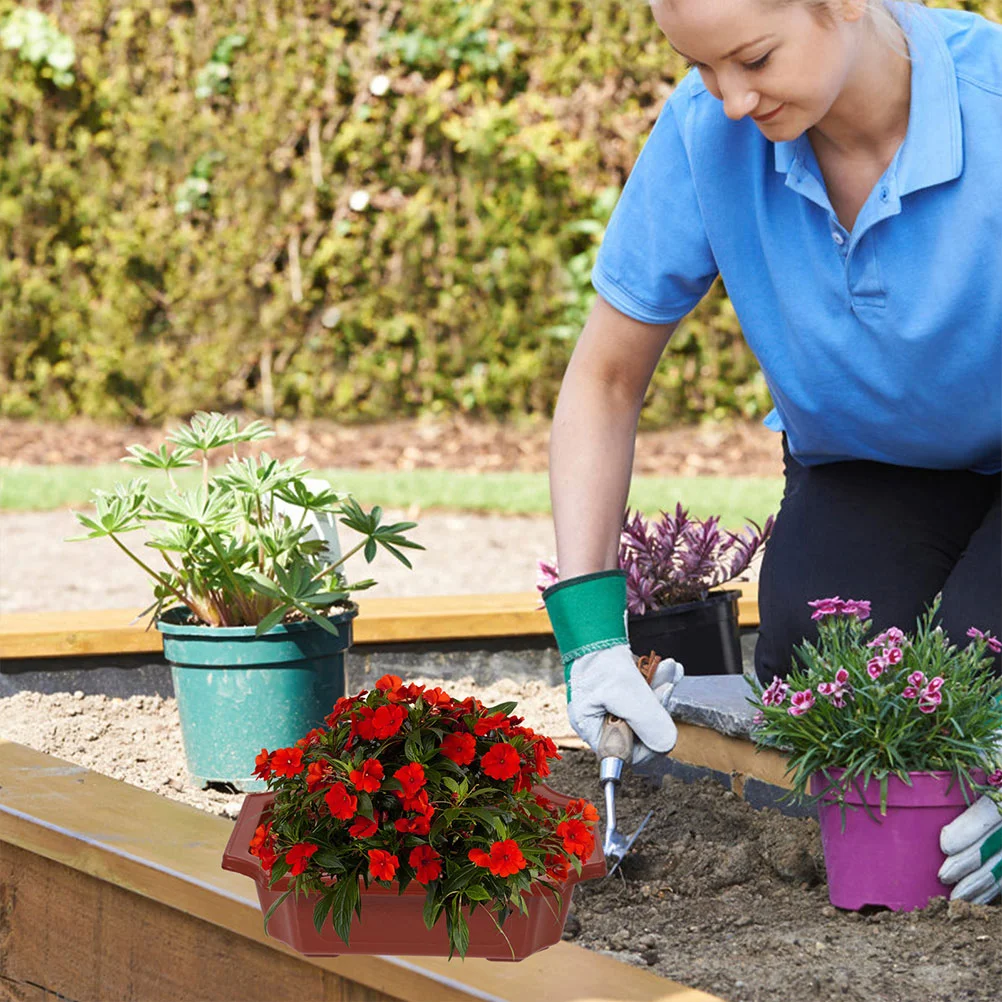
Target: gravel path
{"points": [[466, 554]]}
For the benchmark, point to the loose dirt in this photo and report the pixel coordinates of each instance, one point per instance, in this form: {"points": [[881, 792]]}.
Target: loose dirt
{"points": [[742, 448], [714, 894]]}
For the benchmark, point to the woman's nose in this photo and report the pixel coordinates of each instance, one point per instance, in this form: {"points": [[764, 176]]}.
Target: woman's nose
{"points": [[738, 101]]}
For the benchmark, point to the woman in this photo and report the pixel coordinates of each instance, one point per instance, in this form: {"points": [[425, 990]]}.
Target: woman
{"points": [[838, 164]]}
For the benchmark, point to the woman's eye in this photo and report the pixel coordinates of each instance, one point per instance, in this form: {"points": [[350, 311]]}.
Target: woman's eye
{"points": [[759, 63]]}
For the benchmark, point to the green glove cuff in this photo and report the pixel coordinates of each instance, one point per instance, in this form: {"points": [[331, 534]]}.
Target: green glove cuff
{"points": [[587, 613]]}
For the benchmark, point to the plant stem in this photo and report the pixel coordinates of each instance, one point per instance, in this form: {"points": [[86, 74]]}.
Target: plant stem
{"points": [[338, 563], [149, 570], [229, 572]]}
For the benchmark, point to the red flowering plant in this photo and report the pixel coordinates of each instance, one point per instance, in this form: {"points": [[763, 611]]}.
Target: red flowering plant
{"points": [[406, 784], [891, 704]]}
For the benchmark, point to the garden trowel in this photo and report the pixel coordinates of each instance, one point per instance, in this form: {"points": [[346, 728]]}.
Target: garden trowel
{"points": [[615, 748]]}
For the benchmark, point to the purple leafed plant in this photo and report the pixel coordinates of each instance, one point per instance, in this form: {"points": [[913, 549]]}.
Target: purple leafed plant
{"points": [[676, 558]]}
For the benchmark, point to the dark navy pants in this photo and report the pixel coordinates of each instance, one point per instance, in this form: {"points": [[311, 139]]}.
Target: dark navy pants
{"points": [[894, 535]]}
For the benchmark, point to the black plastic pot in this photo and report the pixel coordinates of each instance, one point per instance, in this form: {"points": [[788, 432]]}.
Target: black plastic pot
{"points": [[702, 636]]}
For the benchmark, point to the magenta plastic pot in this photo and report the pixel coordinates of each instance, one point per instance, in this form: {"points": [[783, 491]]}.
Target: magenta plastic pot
{"points": [[890, 859]]}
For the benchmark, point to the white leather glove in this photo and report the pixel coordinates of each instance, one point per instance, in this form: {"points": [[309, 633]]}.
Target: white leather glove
{"points": [[973, 847], [609, 681]]}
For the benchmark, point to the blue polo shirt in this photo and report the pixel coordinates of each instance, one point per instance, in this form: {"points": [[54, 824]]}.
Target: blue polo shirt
{"points": [[883, 343]]}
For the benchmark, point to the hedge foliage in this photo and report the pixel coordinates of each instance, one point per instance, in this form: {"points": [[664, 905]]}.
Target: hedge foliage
{"points": [[347, 208]]}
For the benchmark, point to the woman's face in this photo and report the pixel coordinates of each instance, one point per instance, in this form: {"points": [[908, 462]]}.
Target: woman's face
{"points": [[783, 66]]}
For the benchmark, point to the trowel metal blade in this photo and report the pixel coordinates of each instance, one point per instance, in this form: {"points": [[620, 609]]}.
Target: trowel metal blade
{"points": [[629, 845]]}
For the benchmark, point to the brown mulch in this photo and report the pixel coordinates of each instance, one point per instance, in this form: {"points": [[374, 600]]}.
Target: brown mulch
{"points": [[459, 444]]}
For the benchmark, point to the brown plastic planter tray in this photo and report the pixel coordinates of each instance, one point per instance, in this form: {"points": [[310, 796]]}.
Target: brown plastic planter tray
{"points": [[392, 924]]}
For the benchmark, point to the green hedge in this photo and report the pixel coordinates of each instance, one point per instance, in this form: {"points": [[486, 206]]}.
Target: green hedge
{"points": [[182, 222]]}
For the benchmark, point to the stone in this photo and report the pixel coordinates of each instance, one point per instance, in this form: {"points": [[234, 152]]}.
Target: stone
{"points": [[716, 701], [572, 927]]}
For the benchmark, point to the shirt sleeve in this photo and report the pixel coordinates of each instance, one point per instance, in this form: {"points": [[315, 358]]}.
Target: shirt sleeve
{"points": [[655, 262]]}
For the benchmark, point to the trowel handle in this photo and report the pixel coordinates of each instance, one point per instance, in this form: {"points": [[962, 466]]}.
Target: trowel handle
{"points": [[616, 740]]}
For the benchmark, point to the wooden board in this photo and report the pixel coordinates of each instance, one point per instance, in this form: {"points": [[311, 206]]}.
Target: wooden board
{"points": [[380, 620], [169, 853]]}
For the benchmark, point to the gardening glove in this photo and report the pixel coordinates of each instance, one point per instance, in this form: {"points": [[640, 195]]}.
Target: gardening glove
{"points": [[973, 844], [322, 524], [588, 615], [973, 847]]}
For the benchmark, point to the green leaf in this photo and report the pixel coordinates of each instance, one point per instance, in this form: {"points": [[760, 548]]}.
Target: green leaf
{"points": [[475, 892], [271, 910], [322, 909]]}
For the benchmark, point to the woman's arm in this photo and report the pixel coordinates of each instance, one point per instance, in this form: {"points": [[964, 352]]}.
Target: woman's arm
{"points": [[593, 435]]}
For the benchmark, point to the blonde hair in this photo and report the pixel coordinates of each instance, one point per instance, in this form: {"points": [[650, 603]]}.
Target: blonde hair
{"points": [[877, 11]]}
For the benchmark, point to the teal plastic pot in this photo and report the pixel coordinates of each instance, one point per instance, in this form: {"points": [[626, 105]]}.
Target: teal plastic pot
{"points": [[238, 693]]}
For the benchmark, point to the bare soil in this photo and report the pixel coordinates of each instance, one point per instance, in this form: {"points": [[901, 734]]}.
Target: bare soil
{"points": [[735, 449], [714, 894]]}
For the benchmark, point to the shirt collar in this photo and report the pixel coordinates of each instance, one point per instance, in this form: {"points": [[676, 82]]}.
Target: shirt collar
{"points": [[932, 151]]}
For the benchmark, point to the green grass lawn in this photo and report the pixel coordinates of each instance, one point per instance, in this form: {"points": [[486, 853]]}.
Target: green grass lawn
{"points": [[44, 488]]}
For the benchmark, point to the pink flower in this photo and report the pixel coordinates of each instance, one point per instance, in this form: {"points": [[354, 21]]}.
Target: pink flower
{"points": [[801, 703], [759, 718], [892, 635], [826, 607], [994, 644], [856, 607], [875, 667], [917, 678], [930, 697], [893, 655], [995, 779], [776, 692], [838, 690]]}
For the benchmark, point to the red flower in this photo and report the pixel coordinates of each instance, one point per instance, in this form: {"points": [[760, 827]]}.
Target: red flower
{"points": [[504, 859], [419, 825], [427, 862], [343, 704], [461, 748], [557, 867], [340, 803], [287, 761], [487, 724], [311, 739], [411, 778], [387, 720], [578, 839], [363, 827], [362, 724], [262, 765], [583, 809], [523, 781], [298, 856], [544, 749], [315, 775], [389, 683], [501, 762], [479, 857], [382, 866], [419, 802], [437, 697], [369, 777]]}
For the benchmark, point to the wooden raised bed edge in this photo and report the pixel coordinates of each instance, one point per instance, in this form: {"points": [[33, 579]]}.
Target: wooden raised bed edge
{"points": [[110, 891], [380, 621]]}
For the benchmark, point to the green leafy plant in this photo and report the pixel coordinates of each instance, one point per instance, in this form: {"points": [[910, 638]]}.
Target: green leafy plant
{"points": [[232, 559], [38, 41], [889, 705], [195, 191], [214, 77], [409, 784]]}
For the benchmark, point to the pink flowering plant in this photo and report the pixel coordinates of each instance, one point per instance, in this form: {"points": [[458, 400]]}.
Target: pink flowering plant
{"points": [[675, 559], [890, 704]]}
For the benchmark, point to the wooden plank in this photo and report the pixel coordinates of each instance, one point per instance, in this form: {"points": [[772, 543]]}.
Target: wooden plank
{"points": [[709, 749], [170, 853], [66, 932], [380, 620]]}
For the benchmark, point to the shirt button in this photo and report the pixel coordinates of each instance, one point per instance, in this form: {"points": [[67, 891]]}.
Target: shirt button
{"points": [[883, 194], [838, 238]]}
